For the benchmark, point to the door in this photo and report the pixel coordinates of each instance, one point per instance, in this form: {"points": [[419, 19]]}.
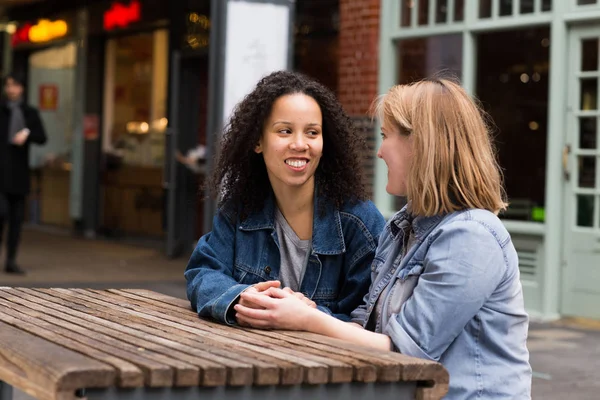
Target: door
{"points": [[187, 132], [581, 161]]}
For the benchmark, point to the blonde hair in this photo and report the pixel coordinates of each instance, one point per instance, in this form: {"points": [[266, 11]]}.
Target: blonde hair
{"points": [[453, 159]]}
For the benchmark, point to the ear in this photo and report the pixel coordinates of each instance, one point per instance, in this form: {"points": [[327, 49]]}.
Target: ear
{"points": [[258, 148]]}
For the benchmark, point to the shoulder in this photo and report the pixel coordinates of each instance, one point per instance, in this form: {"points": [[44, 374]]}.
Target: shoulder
{"points": [[229, 211], [477, 223], [364, 214]]}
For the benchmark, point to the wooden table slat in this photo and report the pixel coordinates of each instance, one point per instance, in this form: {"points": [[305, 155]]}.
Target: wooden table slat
{"points": [[313, 372], [183, 374], [46, 370], [267, 372], [128, 374], [215, 373], [338, 371], [140, 337]]}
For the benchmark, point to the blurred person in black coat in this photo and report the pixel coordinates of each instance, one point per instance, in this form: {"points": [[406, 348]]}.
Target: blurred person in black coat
{"points": [[20, 125]]}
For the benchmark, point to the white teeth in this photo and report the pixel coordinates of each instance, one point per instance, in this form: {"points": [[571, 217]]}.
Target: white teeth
{"points": [[296, 163]]}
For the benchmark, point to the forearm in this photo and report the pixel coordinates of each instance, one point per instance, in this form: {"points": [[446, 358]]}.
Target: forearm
{"points": [[324, 324]]}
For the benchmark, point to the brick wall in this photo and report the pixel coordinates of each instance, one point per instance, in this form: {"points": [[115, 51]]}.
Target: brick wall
{"points": [[358, 69], [359, 54]]}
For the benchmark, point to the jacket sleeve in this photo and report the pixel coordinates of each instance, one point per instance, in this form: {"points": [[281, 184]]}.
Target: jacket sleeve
{"points": [[211, 287], [37, 133], [360, 251], [463, 266]]}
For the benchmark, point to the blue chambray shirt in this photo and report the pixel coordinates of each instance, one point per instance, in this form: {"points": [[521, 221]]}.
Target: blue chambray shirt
{"points": [[237, 254], [466, 310]]}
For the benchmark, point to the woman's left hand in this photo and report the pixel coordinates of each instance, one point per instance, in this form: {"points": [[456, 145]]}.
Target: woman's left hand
{"points": [[280, 310]]}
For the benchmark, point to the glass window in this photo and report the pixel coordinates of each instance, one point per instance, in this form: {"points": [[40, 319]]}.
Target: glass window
{"points": [[441, 11], [423, 57], [485, 8], [512, 83], [527, 6], [546, 5], [589, 55], [585, 2], [459, 10], [406, 11], [137, 85], [506, 7]]}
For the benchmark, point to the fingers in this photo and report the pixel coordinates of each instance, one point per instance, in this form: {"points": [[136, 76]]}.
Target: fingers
{"points": [[258, 299], [262, 286]]}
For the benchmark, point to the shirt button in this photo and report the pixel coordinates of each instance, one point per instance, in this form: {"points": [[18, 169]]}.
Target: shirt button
{"points": [[267, 270]]}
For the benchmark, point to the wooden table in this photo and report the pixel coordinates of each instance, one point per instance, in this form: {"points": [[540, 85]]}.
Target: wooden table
{"points": [[60, 344]]}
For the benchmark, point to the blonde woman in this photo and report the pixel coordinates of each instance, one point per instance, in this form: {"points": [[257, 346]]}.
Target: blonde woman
{"points": [[445, 278]]}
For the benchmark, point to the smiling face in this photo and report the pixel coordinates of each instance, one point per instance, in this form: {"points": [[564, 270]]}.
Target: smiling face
{"points": [[292, 142]]}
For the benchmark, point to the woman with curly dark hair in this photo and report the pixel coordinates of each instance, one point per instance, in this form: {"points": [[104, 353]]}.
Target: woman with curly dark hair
{"points": [[292, 211]]}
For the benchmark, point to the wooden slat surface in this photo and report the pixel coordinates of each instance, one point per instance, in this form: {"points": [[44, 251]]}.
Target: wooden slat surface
{"points": [[46, 370], [133, 337]]}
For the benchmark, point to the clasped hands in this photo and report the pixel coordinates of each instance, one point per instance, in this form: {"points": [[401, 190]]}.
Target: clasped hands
{"points": [[267, 306]]}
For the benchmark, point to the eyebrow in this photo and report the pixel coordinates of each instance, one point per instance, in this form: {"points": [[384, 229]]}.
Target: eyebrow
{"points": [[289, 123]]}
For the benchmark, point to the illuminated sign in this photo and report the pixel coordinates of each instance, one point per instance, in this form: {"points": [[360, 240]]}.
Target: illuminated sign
{"points": [[120, 15], [44, 31]]}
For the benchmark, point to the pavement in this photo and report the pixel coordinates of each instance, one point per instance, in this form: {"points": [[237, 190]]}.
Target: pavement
{"points": [[564, 354]]}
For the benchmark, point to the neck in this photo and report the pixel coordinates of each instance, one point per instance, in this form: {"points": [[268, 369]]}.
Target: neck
{"points": [[297, 205], [295, 200]]}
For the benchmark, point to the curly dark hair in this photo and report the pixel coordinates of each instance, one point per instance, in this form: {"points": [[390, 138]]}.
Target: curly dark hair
{"points": [[240, 174]]}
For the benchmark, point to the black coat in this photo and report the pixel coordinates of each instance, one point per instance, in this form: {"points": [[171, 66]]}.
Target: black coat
{"points": [[14, 160]]}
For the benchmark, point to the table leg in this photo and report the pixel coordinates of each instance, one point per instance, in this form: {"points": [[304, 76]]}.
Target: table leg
{"points": [[6, 391]]}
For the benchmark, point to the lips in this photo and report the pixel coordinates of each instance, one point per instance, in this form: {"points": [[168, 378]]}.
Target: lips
{"points": [[296, 162]]}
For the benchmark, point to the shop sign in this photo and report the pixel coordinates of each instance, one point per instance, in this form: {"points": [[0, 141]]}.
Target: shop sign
{"points": [[44, 31], [48, 100], [121, 15]]}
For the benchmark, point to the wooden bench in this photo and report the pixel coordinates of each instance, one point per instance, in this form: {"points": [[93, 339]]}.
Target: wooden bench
{"points": [[59, 344]]}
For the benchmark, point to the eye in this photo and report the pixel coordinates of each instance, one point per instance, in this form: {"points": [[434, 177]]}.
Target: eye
{"points": [[313, 133], [382, 135], [286, 131]]}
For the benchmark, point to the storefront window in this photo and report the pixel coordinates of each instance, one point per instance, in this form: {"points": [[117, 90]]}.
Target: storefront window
{"points": [[423, 57], [512, 84], [136, 98]]}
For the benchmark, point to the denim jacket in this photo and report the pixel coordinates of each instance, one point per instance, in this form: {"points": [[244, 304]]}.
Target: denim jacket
{"points": [[237, 254], [465, 309]]}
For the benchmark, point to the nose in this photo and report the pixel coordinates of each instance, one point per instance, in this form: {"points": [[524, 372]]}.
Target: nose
{"points": [[299, 142], [379, 153]]}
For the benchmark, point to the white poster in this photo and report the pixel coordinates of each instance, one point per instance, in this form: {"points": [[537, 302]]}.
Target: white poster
{"points": [[257, 44]]}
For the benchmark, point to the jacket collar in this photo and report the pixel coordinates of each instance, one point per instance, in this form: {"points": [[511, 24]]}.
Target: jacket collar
{"points": [[420, 225], [327, 238]]}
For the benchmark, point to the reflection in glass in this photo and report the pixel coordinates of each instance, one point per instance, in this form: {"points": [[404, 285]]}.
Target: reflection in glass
{"points": [[512, 83], [505, 7], [423, 12], [441, 11], [459, 10], [485, 8], [526, 7], [585, 2], [406, 10], [585, 210], [587, 171], [588, 128], [423, 57], [589, 54], [546, 5], [589, 94]]}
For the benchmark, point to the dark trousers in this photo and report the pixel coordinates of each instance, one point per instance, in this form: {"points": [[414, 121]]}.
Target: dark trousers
{"points": [[15, 213]]}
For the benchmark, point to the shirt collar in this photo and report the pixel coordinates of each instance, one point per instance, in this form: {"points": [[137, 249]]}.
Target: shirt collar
{"points": [[403, 220], [327, 237]]}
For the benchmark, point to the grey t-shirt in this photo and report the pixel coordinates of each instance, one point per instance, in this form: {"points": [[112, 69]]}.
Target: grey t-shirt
{"points": [[293, 252]]}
